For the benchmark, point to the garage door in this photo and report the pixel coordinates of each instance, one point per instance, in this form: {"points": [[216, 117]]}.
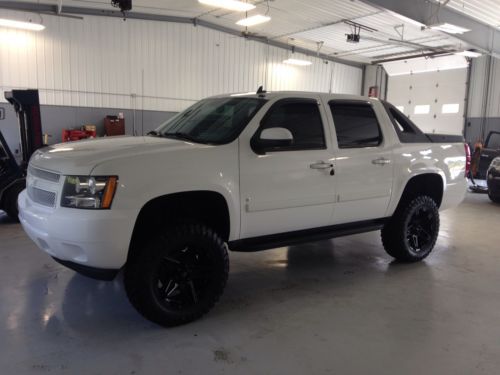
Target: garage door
{"points": [[435, 101]]}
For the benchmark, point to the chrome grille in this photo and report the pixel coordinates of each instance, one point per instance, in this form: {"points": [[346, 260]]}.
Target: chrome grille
{"points": [[43, 174], [43, 197]]}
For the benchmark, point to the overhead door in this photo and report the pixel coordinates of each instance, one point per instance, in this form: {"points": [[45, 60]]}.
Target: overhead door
{"points": [[435, 101]]}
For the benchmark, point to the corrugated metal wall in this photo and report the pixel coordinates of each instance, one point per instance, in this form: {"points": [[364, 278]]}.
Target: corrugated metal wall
{"points": [[106, 62], [484, 91], [484, 98]]}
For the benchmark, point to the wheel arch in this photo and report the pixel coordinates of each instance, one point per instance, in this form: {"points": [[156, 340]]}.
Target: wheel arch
{"points": [[205, 206], [431, 184]]}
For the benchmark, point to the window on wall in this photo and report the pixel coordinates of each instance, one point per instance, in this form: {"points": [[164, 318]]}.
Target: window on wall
{"points": [[356, 124], [450, 108], [422, 109], [302, 118]]}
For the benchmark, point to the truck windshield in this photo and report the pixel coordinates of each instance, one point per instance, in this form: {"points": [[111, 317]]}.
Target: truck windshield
{"points": [[211, 121]]}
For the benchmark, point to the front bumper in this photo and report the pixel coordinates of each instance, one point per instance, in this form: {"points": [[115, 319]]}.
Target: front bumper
{"points": [[80, 239], [92, 272]]}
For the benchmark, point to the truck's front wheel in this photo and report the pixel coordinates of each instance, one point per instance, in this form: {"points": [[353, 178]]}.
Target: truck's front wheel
{"points": [[179, 276], [410, 235]]}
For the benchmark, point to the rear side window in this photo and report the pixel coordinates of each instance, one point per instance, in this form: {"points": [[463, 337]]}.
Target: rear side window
{"points": [[302, 118], [406, 130], [493, 141], [356, 124]]}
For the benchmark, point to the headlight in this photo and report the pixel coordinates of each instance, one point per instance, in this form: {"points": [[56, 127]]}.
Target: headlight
{"points": [[89, 191]]}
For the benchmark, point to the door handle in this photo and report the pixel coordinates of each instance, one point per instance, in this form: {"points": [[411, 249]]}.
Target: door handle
{"points": [[321, 165], [381, 161]]}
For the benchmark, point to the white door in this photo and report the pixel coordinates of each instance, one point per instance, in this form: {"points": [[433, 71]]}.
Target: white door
{"points": [[363, 163], [291, 187]]}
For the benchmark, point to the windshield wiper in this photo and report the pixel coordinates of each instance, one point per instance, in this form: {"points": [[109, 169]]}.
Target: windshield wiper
{"points": [[181, 135], [154, 133]]}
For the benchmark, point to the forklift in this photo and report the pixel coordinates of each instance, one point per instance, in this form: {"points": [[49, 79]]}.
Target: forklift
{"points": [[13, 175]]}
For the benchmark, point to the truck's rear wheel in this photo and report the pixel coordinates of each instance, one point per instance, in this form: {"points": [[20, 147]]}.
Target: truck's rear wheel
{"points": [[410, 235], [179, 276]]}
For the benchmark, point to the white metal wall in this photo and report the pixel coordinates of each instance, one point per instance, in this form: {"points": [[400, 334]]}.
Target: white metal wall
{"points": [[106, 62]]}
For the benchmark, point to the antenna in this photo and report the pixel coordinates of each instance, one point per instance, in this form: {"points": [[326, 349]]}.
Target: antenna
{"points": [[261, 90]]}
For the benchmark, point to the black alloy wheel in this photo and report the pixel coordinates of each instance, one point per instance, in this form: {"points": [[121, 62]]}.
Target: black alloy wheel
{"points": [[421, 229], [177, 277], [411, 233]]}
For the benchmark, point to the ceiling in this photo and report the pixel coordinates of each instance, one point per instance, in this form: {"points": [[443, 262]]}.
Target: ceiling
{"points": [[486, 11], [314, 25]]}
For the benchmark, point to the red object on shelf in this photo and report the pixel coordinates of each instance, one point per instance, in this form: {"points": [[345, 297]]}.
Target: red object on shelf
{"points": [[76, 135]]}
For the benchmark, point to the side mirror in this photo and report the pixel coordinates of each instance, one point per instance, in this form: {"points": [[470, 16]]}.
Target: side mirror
{"points": [[272, 139]]}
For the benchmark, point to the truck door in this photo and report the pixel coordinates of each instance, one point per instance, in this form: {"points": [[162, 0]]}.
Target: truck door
{"points": [[363, 162], [490, 151], [291, 187]]}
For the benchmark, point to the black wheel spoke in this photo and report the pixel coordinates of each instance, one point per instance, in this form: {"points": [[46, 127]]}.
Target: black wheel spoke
{"points": [[419, 229], [199, 271], [183, 276], [193, 291]]}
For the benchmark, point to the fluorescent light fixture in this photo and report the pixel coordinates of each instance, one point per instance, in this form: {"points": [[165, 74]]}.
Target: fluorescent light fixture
{"points": [[253, 20], [21, 25], [238, 6], [469, 53], [422, 109], [449, 28], [450, 108], [297, 62]]}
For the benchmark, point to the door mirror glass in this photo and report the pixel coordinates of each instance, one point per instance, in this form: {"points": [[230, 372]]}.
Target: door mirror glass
{"points": [[273, 139]]}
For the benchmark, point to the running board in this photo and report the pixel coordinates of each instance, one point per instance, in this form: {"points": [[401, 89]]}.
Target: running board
{"points": [[308, 235]]}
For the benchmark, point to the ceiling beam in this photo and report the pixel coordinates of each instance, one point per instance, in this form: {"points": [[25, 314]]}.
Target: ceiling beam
{"points": [[52, 9], [481, 36]]}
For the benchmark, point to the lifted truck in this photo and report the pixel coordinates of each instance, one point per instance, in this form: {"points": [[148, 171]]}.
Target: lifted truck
{"points": [[242, 172]]}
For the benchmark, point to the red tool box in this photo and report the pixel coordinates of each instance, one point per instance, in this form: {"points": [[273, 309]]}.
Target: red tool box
{"points": [[76, 135]]}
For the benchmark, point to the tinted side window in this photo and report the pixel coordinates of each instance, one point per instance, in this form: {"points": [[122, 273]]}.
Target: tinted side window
{"points": [[355, 124], [494, 141], [302, 118]]}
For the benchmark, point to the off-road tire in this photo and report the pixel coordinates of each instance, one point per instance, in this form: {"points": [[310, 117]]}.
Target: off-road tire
{"points": [[159, 262], [494, 198], [396, 234]]}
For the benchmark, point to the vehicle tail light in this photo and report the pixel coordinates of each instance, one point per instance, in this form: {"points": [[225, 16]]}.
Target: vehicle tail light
{"points": [[467, 159]]}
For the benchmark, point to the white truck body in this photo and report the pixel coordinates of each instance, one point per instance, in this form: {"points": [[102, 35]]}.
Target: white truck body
{"points": [[266, 194]]}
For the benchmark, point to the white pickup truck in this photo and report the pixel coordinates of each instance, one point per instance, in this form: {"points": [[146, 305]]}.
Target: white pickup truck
{"points": [[243, 172]]}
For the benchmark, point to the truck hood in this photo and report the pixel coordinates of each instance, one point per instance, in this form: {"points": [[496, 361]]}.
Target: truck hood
{"points": [[82, 156]]}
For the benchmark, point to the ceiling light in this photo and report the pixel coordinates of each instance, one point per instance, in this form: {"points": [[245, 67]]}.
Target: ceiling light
{"points": [[21, 25], [449, 28], [297, 62], [238, 6], [253, 20], [469, 53]]}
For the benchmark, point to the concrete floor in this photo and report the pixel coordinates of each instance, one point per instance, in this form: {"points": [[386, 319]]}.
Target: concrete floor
{"points": [[332, 307]]}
